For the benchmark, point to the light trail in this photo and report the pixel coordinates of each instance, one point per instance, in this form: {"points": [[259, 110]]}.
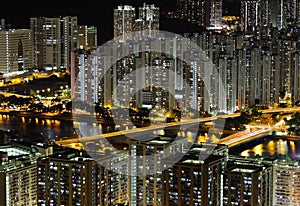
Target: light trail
{"points": [[230, 142]]}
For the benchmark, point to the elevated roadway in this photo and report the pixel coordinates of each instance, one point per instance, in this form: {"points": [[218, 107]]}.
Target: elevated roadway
{"points": [[230, 140], [145, 130], [234, 140]]}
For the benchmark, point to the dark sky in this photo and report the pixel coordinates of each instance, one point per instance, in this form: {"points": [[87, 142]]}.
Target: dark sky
{"points": [[90, 12]]}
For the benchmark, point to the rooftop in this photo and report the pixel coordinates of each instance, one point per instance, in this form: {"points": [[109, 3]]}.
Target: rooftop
{"points": [[245, 169], [13, 151]]}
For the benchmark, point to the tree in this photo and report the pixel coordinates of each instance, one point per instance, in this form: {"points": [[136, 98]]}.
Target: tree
{"points": [[13, 99], [255, 112], [69, 106], [282, 94], [275, 117], [2, 98], [294, 124], [244, 118]]}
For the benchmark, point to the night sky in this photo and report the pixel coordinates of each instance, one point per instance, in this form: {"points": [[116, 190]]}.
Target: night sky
{"points": [[91, 12]]}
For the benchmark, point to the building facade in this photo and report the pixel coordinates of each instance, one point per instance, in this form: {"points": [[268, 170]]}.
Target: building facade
{"points": [[74, 178], [15, 50], [87, 37], [149, 15], [124, 18], [286, 190], [18, 173], [277, 13], [194, 179], [53, 40], [247, 183], [204, 13]]}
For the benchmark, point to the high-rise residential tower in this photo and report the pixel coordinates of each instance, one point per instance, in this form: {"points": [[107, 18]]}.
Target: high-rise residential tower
{"points": [[15, 50], [53, 40], [215, 14], [286, 189], [289, 12], [192, 180], [275, 13], [124, 19], [247, 183], [18, 169], [87, 37], [250, 15], [69, 37], [203, 13], [149, 14], [74, 178]]}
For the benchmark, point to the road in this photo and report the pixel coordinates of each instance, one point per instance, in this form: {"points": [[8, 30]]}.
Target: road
{"points": [[149, 129], [229, 141], [6, 94], [283, 110]]}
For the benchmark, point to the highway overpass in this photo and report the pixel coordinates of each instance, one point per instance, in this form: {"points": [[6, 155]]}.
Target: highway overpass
{"points": [[138, 132], [146, 130], [234, 140]]}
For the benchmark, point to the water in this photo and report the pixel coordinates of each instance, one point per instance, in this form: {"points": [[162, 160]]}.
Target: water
{"points": [[34, 128], [47, 129], [270, 146]]}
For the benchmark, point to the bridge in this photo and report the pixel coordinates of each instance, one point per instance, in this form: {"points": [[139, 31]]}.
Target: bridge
{"points": [[146, 130], [280, 110], [231, 140], [243, 137], [7, 94]]}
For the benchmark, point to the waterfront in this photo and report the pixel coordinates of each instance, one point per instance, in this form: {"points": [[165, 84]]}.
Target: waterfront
{"points": [[51, 129], [34, 128], [269, 146]]}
